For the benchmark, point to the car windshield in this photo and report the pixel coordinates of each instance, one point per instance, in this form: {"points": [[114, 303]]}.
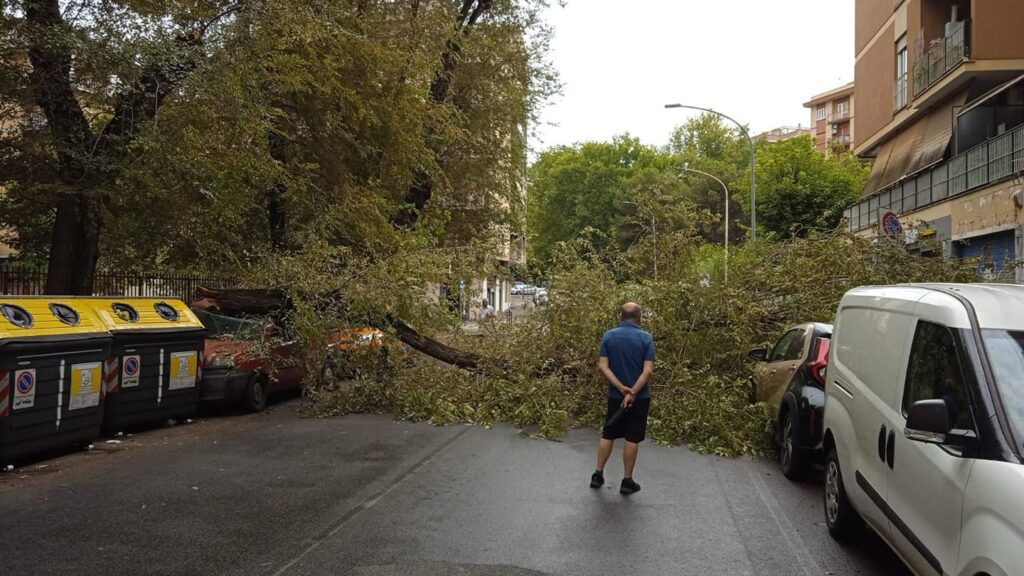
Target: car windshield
{"points": [[1006, 352], [220, 326]]}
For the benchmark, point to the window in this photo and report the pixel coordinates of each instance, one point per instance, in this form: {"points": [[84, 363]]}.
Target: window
{"points": [[1006, 352], [819, 113], [934, 373], [900, 88], [789, 347], [843, 109]]}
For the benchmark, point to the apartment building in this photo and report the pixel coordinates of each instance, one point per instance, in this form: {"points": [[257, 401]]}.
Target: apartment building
{"points": [[832, 119], [784, 133], [940, 96]]}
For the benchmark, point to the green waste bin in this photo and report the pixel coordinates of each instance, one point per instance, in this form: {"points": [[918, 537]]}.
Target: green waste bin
{"points": [[152, 373], [51, 375]]}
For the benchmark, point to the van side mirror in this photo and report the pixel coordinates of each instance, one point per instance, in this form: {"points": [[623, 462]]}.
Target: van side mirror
{"points": [[928, 421], [758, 354]]}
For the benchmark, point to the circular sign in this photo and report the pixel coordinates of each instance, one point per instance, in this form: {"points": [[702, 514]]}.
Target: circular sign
{"points": [[891, 226], [131, 366], [26, 381]]}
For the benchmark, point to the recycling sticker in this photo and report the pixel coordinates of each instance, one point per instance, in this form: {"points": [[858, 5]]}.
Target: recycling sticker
{"points": [[24, 389], [131, 366]]}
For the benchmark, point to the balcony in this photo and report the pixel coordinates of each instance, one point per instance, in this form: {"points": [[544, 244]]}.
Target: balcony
{"points": [[944, 55], [842, 139], [993, 161], [838, 117]]}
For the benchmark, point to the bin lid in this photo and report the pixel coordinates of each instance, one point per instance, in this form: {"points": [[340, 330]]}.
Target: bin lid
{"points": [[48, 317], [145, 314]]}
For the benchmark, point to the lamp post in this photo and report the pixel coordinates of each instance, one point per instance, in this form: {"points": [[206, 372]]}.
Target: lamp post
{"points": [[686, 168], [753, 178]]}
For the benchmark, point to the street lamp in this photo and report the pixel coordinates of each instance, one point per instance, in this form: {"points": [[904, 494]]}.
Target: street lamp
{"points": [[686, 168], [753, 178]]}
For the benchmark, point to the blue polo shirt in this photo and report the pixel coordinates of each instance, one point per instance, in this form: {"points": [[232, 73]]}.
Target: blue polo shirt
{"points": [[627, 347]]}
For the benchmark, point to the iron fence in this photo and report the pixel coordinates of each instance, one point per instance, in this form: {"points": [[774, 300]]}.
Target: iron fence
{"points": [[23, 280]]}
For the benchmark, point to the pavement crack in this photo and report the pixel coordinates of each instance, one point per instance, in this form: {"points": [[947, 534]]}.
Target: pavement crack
{"points": [[369, 502]]}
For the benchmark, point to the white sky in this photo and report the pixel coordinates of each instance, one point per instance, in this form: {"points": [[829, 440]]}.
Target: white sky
{"points": [[621, 61]]}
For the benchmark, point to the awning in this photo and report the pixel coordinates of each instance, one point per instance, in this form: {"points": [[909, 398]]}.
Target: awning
{"points": [[938, 132], [919, 146], [874, 182]]}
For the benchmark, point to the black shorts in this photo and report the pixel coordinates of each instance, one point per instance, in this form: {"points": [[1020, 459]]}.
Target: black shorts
{"points": [[632, 425]]}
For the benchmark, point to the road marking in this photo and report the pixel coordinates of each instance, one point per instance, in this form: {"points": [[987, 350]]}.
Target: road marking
{"points": [[796, 545], [369, 502]]}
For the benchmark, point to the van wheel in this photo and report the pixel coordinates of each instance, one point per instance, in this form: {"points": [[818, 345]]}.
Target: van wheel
{"points": [[256, 394], [840, 517], [792, 461]]}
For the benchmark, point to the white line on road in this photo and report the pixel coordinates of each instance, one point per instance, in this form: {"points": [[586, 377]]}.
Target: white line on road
{"points": [[369, 502], [804, 558]]}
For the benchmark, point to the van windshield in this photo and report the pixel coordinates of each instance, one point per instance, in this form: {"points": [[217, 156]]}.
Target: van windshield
{"points": [[1006, 353]]}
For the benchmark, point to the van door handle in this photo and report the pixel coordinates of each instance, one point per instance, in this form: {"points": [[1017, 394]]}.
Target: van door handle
{"points": [[881, 443], [890, 453]]}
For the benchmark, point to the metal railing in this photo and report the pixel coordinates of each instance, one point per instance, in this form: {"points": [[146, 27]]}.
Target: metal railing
{"points": [[985, 164], [947, 53], [839, 116], [21, 280]]}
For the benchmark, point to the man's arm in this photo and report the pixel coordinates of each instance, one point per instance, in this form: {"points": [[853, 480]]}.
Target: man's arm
{"points": [[644, 377], [648, 368], [602, 365]]}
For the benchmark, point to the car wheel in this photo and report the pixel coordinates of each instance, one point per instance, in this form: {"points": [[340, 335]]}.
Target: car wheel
{"points": [[792, 461], [256, 394], [840, 517]]}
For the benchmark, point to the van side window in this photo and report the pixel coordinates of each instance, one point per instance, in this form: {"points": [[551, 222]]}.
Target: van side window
{"points": [[934, 373], [789, 347]]}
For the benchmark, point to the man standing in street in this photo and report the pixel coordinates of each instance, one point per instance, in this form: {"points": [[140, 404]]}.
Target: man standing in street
{"points": [[627, 362], [486, 310]]}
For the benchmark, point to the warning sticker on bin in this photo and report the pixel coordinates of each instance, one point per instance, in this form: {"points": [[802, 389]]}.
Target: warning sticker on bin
{"points": [[131, 367], [24, 389], [183, 370], [85, 385]]}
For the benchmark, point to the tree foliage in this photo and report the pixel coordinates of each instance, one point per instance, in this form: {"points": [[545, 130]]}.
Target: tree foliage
{"points": [[263, 127], [799, 189]]}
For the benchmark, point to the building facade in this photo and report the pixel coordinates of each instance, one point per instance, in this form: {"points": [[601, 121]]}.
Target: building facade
{"points": [[832, 119], [784, 133], [940, 95]]}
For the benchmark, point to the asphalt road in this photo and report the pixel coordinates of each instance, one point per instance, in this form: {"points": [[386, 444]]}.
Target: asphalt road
{"points": [[279, 494]]}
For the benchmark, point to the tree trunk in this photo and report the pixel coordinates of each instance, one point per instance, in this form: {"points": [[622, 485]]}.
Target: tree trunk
{"points": [[75, 247]]}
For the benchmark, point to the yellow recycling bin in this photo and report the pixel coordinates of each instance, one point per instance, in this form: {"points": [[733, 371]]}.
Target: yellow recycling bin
{"points": [[152, 373], [51, 375]]}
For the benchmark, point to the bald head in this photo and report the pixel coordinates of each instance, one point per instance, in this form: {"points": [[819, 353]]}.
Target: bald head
{"points": [[630, 311]]}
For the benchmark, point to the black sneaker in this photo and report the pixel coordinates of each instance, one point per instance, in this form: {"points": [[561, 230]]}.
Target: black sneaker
{"points": [[596, 480], [629, 486]]}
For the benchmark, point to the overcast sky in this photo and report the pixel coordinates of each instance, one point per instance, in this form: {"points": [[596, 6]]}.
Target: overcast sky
{"points": [[621, 61]]}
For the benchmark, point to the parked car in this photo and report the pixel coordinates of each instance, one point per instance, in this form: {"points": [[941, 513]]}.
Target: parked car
{"points": [[924, 424], [246, 360], [790, 377], [540, 297], [517, 288], [528, 290]]}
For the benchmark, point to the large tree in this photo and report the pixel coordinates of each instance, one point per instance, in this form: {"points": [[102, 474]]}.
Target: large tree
{"points": [[800, 189], [98, 73], [209, 134], [587, 185]]}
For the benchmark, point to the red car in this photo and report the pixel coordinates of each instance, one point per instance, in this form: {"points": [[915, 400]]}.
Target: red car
{"points": [[246, 360]]}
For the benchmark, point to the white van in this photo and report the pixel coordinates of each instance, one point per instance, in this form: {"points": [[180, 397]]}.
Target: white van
{"points": [[924, 424]]}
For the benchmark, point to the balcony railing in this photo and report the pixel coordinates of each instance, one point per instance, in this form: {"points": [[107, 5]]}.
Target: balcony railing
{"points": [[946, 53], [838, 116], [985, 164]]}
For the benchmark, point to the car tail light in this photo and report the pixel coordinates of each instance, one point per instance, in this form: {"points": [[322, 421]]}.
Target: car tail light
{"points": [[819, 361]]}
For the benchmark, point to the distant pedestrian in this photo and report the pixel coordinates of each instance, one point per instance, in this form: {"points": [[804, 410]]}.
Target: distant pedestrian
{"points": [[486, 310], [627, 362]]}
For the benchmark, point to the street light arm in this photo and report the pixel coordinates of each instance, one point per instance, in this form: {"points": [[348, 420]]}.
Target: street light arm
{"points": [[753, 162], [742, 128]]}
